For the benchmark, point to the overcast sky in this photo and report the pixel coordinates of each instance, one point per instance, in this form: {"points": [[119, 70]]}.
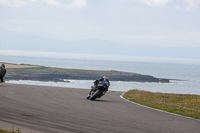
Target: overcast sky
{"points": [[134, 22]]}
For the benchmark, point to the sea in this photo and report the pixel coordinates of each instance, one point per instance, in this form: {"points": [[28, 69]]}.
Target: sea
{"points": [[184, 73]]}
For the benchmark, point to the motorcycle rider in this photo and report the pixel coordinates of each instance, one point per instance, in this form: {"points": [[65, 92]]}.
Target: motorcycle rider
{"points": [[2, 72], [105, 81]]}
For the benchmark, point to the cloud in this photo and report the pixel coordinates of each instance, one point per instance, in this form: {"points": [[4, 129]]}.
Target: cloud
{"points": [[177, 7], [193, 4], [187, 4], [51, 2], [16, 3], [157, 2], [149, 2], [78, 4], [4, 2]]}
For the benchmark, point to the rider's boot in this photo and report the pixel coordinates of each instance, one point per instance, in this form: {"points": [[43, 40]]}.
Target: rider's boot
{"points": [[88, 96]]}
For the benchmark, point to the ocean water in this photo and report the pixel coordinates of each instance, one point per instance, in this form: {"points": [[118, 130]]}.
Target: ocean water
{"points": [[187, 71]]}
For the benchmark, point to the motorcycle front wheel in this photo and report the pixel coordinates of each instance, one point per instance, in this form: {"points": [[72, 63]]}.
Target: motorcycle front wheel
{"points": [[95, 95]]}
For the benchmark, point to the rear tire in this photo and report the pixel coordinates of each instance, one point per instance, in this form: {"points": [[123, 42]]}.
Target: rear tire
{"points": [[95, 95]]}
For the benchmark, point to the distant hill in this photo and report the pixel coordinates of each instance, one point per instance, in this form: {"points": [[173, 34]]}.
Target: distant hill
{"points": [[19, 41]]}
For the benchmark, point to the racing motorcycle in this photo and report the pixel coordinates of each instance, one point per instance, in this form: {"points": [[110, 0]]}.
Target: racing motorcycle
{"points": [[97, 91]]}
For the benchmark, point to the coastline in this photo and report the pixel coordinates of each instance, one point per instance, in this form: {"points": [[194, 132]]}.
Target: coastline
{"points": [[42, 73]]}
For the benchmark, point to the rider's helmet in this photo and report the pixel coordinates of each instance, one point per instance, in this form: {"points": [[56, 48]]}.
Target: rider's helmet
{"points": [[3, 65], [105, 77]]}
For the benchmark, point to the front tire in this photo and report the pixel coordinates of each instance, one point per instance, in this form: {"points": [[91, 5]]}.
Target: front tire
{"points": [[95, 95]]}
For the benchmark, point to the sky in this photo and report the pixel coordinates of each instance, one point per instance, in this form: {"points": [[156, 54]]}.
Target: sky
{"points": [[173, 23]]}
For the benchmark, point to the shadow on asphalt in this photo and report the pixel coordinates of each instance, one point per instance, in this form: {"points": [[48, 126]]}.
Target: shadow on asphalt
{"points": [[99, 100]]}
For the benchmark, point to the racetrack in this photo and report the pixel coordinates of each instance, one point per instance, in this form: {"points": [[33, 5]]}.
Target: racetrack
{"points": [[37, 109]]}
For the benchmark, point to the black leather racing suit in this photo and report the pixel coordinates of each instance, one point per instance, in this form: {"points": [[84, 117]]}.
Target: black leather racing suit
{"points": [[2, 72]]}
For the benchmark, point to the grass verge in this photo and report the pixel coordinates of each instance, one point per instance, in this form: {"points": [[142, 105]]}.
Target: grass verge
{"points": [[10, 131], [182, 104]]}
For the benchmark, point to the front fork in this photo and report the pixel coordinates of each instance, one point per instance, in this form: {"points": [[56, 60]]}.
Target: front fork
{"points": [[92, 90]]}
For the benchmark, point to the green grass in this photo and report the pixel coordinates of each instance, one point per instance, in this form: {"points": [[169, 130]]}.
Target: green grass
{"points": [[182, 104], [9, 131]]}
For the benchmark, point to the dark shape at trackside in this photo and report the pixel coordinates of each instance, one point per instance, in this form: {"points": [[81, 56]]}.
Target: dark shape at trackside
{"points": [[2, 72]]}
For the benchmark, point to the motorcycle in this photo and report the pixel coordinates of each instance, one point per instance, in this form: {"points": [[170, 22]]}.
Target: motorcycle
{"points": [[97, 91]]}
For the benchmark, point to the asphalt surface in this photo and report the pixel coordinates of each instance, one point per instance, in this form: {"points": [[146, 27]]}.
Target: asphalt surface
{"points": [[38, 109]]}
